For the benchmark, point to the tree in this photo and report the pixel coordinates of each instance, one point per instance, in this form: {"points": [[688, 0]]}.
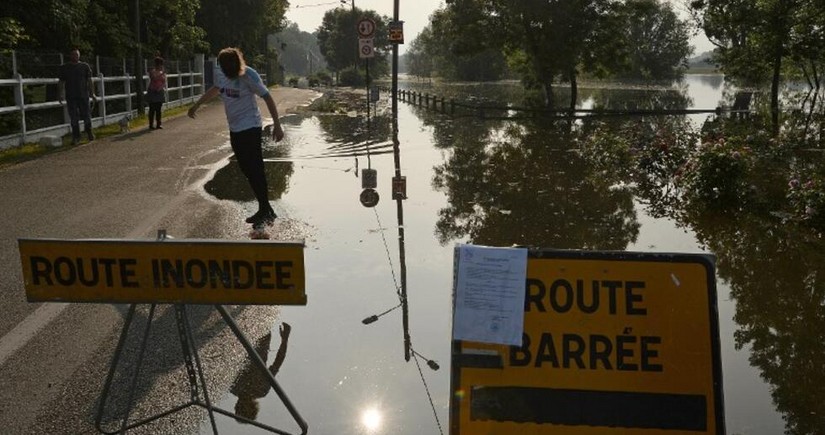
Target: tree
{"points": [[657, 40], [419, 60], [104, 27], [753, 38], [546, 40], [338, 39], [169, 27], [241, 23], [456, 55]]}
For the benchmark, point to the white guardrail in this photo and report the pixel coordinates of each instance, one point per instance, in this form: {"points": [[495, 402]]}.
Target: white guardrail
{"points": [[176, 95]]}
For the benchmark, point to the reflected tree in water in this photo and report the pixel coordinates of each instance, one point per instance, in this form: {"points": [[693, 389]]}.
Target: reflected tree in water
{"points": [[735, 195], [754, 199], [526, 184], [776, 276]]}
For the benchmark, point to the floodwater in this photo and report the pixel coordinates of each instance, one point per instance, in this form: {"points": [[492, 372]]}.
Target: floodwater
{"points": [[347, 377]]}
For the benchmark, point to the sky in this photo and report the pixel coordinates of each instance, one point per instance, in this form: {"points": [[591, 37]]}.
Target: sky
{"points": [[414, 13]]}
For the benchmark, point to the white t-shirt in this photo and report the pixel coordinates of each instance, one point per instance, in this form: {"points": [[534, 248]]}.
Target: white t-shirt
{"points": [[238, 97]]}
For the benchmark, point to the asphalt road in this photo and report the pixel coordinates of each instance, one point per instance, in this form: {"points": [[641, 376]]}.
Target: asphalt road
{"points": [[54, 357]]}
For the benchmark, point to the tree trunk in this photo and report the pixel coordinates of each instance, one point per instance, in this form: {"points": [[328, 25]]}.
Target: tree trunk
{"points": [[574, 91], [777, 67], [547, 86]]}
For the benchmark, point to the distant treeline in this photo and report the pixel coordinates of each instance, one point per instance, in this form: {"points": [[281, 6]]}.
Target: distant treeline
{"points": [[543, 43]]}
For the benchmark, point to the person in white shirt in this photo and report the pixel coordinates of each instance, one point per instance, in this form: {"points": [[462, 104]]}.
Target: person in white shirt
{"points": [[238, 85]]}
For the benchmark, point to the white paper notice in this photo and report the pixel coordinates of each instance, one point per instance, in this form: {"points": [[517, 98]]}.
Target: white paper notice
{"points": [[489, 294]]}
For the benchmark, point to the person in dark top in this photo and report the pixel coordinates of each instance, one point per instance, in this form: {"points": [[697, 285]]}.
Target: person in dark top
{"points": [[75, 82]]}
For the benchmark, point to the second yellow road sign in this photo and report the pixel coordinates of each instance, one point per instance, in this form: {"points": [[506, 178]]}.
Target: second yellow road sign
{"points": [[613, 343]]}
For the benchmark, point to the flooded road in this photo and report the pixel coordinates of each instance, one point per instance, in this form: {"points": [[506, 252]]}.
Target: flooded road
{"points": [[347, 377]]}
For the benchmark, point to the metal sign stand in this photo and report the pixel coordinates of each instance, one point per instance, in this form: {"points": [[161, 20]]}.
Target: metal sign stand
{"points": [[194, 371]]}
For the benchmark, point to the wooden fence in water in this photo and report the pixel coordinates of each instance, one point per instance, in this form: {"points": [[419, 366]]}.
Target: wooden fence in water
{"points": [[493, 111]]}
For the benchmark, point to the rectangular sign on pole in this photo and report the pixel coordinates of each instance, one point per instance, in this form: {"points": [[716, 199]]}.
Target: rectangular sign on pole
{"points": [[257, 272], [366, 49], [613, 343]]}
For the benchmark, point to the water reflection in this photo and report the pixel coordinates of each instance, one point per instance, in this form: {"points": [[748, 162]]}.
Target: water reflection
{"points": [[529, 186], [251, 385], [775, 274], [371, 418], [556, 185], [594, 185], [715, 81]]}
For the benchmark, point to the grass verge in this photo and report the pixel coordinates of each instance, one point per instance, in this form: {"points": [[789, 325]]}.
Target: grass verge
{"points": [[31, 151]]}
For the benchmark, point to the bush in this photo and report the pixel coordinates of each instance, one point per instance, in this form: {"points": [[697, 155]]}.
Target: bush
{"points": [[351, 77], [293, 81], [806, 195], [324, 78], [716, 174]]}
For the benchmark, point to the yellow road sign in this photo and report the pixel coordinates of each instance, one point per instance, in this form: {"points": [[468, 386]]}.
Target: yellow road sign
{"points": [[258, 272], [613, 343]]}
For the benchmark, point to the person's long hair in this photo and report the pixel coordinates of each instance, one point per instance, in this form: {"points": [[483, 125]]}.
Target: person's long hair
{"points": [[231, 61]]}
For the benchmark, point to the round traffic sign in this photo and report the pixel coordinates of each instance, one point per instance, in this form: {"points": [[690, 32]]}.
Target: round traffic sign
{"points": [[369, 198], [366, 50], [366, 27]]}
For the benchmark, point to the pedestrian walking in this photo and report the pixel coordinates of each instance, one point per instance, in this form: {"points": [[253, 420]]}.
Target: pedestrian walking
{"points": [[156, 93], [238, 85], [75, 83]]}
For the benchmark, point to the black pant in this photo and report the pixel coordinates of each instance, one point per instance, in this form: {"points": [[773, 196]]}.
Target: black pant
{"points": [[247, 145], [154, 113], [79, 109]]}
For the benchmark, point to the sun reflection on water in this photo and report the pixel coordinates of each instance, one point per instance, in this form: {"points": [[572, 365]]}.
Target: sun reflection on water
{"points": [[371, 419]]}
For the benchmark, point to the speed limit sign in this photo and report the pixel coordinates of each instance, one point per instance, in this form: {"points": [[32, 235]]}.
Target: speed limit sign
{"points": [[365, 48]]}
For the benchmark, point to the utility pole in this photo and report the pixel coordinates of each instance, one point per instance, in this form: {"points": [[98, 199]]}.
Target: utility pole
{"points": [[399, 199]]}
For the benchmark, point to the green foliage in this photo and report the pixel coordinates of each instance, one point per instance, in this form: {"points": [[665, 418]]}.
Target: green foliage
{"points": [[657, 40], [545, 42], [12, 33], [323, 78], [292, 81], [351, 77], [103, 27], [244, 24], [715, 174], [806, 195], [761, 42], [338, 40]]}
